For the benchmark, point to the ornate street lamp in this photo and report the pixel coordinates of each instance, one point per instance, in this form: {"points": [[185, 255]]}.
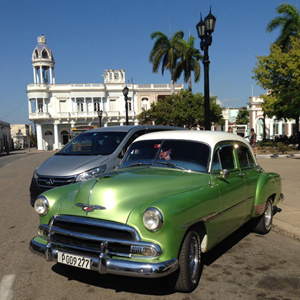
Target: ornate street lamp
{"points": [[100, 117], [125, 93], [205, 29]]}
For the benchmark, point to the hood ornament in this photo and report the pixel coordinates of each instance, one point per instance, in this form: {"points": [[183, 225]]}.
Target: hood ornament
{"points": [[89, 208]]}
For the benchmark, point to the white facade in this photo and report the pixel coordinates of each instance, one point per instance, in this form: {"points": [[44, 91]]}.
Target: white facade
{"points": [[20, 135], [273, 126], [57, 108]]}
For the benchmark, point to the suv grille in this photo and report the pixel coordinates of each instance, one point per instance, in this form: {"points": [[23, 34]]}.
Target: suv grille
{"points": [[51, 182]]}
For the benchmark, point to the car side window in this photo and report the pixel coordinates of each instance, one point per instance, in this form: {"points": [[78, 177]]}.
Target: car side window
{"points": [[245, 158], [224, 158], [130, 141]]}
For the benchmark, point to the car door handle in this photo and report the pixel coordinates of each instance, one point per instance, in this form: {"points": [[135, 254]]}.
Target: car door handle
{"points": [[241, 175]]}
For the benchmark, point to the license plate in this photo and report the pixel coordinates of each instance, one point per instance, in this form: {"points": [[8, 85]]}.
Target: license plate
{"points": [[74, 260]]}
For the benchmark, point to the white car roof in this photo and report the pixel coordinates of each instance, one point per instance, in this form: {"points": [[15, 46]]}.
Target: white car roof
{"points": [[208, 137]]}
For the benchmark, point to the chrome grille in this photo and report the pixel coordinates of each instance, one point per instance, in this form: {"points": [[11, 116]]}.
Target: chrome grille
{"points": [[86, 235], [51, 182]]}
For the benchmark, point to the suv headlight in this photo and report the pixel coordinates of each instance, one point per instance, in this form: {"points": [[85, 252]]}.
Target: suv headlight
{"points": [[152, 219], [90, 173], [41, 205], [35, 175]]}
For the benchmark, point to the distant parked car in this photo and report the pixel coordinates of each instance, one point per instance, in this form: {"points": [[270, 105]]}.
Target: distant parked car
{"points": [[88, 155], [176, 195]]}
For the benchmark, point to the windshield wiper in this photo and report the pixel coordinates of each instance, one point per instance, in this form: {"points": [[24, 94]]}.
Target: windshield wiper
{"points": [[170, 165], [138, 164]]}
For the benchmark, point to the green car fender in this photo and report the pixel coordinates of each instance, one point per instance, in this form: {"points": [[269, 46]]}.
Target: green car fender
{"points": [[180, 212], [268, 186]]}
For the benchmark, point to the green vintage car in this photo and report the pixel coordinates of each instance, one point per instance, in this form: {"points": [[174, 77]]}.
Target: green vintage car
{"points": [[175, 196]]}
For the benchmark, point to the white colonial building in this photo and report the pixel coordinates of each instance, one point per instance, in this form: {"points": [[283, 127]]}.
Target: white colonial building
{"points": [[58, 108], [273, 126]]}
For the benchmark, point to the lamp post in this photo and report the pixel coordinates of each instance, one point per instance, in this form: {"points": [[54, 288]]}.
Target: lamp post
{"points": [[100, 117], [125, 93], [205, 29]]}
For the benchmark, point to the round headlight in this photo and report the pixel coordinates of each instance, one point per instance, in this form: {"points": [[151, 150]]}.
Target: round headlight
{"points": [[152, 219], [41, 205]]}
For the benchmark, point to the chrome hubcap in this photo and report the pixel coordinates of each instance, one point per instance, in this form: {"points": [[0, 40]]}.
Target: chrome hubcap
{"points": [[194, 257], [268, 215]]}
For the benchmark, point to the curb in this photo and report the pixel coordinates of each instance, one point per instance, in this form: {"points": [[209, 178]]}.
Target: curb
{"points": [[277, 156], [286, 229]]}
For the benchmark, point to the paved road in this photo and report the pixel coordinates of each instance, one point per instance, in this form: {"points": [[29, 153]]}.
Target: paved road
{"points": [[244, 266]]}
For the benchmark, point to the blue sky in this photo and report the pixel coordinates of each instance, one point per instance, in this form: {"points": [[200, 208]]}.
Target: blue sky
{"points": [[89, 36]]}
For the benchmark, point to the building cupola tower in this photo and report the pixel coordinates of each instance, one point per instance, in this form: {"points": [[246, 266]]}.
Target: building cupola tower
{"points": [[43, 63]]}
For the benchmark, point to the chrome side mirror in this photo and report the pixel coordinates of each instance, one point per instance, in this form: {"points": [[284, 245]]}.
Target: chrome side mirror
{"points": [[224, 174]]}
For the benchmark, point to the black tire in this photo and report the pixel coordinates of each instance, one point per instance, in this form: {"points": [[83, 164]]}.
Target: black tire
{"points": [[263, 224], [187, 277]]}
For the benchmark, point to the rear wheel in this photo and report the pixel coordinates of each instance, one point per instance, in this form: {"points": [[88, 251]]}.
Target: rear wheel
{"points": [[264, 223], [187, 277]]}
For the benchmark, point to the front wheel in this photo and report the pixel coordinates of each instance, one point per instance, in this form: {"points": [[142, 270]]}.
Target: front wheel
{"points": [[264, 223], [187, 277]]}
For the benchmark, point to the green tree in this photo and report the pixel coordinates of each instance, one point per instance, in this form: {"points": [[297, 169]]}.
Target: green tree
{"points": [[242, 117], [280, 73], [165, 52], [188, 61], [181, 109], [289, 22]]}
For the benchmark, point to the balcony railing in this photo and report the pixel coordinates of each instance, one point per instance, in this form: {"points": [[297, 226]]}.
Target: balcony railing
{"points": [[39, 115]]}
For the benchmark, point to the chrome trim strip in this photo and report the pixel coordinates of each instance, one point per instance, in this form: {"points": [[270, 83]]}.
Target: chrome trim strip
{"points": [[91, 190], [106, 265]]}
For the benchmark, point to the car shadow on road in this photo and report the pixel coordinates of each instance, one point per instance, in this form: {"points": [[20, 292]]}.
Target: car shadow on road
{"points": [[145, 286]]}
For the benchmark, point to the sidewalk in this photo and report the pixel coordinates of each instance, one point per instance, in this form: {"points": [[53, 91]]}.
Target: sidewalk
{"points": [[287, 222]]}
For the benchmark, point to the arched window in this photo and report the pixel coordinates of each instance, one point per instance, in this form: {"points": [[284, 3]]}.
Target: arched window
{"points": [[145, 103], [36, 54], [79, 104], [96, 105], [45, 54], [48, 132]]}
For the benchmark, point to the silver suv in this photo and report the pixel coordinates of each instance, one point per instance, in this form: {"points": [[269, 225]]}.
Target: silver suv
{"points": [[87, 155]]}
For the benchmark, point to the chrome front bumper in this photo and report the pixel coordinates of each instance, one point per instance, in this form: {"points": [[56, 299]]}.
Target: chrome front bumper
{"points": [[107, 265]]}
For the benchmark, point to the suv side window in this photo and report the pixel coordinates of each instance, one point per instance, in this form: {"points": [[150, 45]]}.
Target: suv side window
{"points": [[245, 158], [224, 158], [130, 140]]}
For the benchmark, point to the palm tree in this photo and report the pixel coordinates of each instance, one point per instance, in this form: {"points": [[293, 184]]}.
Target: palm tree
{"points": [[165, 51], [189, 61], [289, 23]]}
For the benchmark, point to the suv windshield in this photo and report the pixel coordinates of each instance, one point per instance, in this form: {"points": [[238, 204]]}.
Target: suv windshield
{"points": [[93, 143], [179, 154]]}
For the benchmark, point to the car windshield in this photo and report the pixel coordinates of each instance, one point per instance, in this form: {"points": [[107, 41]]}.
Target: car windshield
{"points": [[93, 143], [177, 154]]}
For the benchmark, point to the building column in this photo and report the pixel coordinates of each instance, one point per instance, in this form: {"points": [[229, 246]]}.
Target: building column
{"points": [[39, 135], [280, 128], [34, 75], [29, 106], [226, 125], [50, 73], [56, 139], [289, 128], [41, 75]]}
